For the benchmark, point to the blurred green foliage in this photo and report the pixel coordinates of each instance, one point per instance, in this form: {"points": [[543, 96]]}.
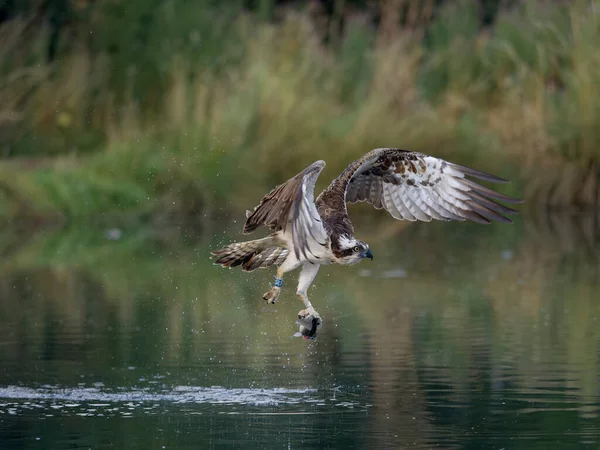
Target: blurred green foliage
{"points": [[208, 104]]}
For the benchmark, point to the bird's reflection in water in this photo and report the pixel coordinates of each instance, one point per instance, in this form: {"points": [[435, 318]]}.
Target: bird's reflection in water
{"points": [[308, 327]]}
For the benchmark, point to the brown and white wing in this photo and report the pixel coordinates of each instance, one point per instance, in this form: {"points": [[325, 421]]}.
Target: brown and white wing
{"points": [[292, 204], [414, 186]]}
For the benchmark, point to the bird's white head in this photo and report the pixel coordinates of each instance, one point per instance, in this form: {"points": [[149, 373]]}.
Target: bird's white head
{"points": [[348, 250]]}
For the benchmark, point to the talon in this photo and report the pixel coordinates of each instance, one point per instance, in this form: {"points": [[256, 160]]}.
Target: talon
{"points": [[272, 295], [310, 311]]}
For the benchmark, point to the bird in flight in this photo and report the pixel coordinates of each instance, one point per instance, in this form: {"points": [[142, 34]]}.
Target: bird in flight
{"points": [[309, 233]]}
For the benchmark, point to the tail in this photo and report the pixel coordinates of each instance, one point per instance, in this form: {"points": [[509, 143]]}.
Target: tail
{"points": [[251, 255]]}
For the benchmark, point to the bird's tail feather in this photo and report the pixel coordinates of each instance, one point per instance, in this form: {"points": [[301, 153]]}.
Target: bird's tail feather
{"points": [[251, 255]]}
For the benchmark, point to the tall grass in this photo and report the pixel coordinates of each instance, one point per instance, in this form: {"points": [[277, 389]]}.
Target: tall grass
{"points": [[184, 107]]}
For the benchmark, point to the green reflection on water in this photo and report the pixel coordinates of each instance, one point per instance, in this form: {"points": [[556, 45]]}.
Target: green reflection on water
{"points": [[455, 335]]}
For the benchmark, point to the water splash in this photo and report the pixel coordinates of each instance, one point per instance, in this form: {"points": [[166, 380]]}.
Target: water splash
{"points": [[92, 401]]}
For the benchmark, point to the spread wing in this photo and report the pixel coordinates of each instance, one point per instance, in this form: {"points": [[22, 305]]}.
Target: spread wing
{"points": [[414, 186], [292, 204]]}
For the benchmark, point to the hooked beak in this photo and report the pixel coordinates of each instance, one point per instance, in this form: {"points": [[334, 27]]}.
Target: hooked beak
{"points": [[368, 254]]}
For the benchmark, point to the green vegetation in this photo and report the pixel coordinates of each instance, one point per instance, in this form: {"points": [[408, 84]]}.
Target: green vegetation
{"points": [[171, 108]]}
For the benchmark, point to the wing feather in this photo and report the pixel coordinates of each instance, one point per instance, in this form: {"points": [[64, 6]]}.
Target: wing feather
{"points": [[417, 205], [389, 204], [363, 191], [375, 193], [292, 203], [416, 186], [450, 210], [435, 211], [402, 205]]}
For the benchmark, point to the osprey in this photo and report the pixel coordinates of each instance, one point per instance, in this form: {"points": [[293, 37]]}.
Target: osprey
{"points": [[309, 233]]}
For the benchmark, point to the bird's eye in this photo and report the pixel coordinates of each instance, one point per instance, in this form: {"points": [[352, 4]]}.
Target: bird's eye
{"points": [[356, 249]]}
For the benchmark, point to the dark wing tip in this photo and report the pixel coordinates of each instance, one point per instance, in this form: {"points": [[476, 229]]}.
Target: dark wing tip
{"points": [[483, 202], [478, 174], [489, 192], [248, 228]]}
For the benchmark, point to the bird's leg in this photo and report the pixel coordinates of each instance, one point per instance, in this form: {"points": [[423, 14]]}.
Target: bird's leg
{"points": [[272, 295], [308, 274]]}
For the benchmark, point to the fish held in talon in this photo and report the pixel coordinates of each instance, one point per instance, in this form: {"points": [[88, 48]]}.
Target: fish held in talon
{"points": [[307, 233], [308, 326]]}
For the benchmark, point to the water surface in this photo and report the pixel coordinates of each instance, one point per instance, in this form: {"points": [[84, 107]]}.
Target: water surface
{"points": [[455, 336]]}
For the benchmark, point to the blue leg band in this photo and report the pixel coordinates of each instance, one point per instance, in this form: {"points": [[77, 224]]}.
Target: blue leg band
{"points": [[278, 282]]}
